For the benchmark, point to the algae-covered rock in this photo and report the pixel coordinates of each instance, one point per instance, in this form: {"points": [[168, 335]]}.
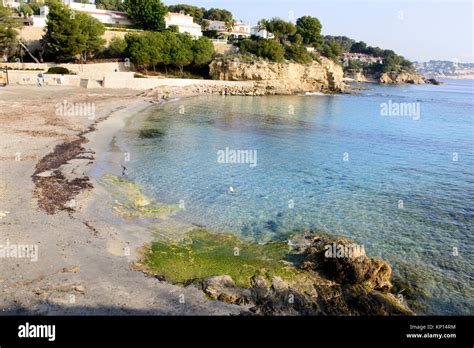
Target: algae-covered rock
{"points": [[130, 202], [277, 278]]}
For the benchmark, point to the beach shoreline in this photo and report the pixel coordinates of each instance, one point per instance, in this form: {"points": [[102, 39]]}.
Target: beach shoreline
{"points": [[83, 264]]}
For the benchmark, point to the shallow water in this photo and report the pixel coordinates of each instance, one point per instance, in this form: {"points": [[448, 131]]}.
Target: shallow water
{"points": [[400, 185]]}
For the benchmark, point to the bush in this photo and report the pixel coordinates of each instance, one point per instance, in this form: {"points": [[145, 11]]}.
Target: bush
{"points": [[58, 70], [269, 49], [299, 54]]}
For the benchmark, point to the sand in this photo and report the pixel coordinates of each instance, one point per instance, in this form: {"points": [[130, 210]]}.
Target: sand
{"points": [[83, 262]]}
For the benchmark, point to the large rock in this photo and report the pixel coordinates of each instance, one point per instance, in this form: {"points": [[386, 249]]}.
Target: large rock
{"points": [[345, 262], [282, 78], [223, 288]]}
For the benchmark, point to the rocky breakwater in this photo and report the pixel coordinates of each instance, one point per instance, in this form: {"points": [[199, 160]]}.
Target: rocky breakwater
{"points": [[281, 78]]}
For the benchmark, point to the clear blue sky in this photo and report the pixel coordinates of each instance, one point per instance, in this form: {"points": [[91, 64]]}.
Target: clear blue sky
{"points": [[418, 29]]}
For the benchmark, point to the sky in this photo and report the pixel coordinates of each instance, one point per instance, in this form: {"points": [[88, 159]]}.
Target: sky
{"points": [[420, 30]]}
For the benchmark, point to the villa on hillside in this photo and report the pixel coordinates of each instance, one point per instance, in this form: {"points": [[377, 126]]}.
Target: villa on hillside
{"points": [[263, 33], [184, 23], [239, 30], [361, 57], [103, 16]]}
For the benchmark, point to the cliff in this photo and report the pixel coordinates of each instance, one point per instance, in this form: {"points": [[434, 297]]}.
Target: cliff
{"points": [[281, 78], [391, 77]]}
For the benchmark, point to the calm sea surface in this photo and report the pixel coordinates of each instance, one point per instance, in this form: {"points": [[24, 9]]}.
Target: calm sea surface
{"points": [[403, 186]]}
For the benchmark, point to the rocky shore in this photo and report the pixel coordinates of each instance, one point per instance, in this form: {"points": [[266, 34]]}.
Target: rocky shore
{"points": [[294, 277], [392, 77]]}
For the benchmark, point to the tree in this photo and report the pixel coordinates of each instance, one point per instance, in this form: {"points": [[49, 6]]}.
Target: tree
{"points": [[278, 27], [359, 47], [229, 25], [269, 49], [8, 34], [182, 54], [344, 42], [91, 31], [205, 25], [70, 35], [137, 49], [203, 51], [25, 10], [196, 12], [113, 5], [149, 14], [217, 14], [298, 53], [332, 50], [310, 30], [117, 47]]}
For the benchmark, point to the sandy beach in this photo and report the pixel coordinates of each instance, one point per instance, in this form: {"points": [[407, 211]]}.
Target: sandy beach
{"points": [[82, 264]]}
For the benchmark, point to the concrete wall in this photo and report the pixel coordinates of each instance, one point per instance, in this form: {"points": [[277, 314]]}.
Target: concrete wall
{"points": [[32, 36], [96, 70]]}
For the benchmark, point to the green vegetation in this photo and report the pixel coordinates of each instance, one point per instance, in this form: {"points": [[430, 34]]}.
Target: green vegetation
{"points": [[70, 35], [154, 49], [203, 254], [25, 10], [217, 14], [117, 47], [8, 34], [392, 61], [269, 49], [58, 70], [131, 203], [310, 30], [149, 14], [113, 5], [278, 27]]}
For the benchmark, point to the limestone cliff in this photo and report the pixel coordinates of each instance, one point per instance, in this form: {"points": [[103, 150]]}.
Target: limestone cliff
{"points": [[391, 77], [282, 78]]}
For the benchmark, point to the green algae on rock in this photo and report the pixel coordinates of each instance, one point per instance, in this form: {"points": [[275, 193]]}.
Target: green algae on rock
{"points": [[262, 275], [204, 254], [130, 202]]}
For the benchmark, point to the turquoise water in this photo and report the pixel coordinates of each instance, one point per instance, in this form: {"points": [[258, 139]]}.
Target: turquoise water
{"points": [[399, 185]]}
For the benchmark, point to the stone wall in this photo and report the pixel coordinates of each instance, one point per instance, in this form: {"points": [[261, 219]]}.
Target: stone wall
{"points": [[32, 36]]}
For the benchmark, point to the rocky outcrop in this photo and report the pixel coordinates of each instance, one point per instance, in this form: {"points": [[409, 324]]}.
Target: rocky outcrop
{"points": [[402, 77], [392, 77], [352, 285], [281, 78]]}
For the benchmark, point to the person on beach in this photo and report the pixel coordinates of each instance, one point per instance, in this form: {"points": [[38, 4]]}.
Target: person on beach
{"points": [[40, 80]]}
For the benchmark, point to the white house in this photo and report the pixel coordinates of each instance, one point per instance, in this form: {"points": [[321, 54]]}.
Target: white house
{"points": [[103, 16], [263, 33], [361, 57], [184, 23], [11, 3], [239, 30]]}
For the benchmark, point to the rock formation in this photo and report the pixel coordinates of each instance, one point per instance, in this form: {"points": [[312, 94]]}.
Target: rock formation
{"points": [[282, 78], [357, 285]]}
